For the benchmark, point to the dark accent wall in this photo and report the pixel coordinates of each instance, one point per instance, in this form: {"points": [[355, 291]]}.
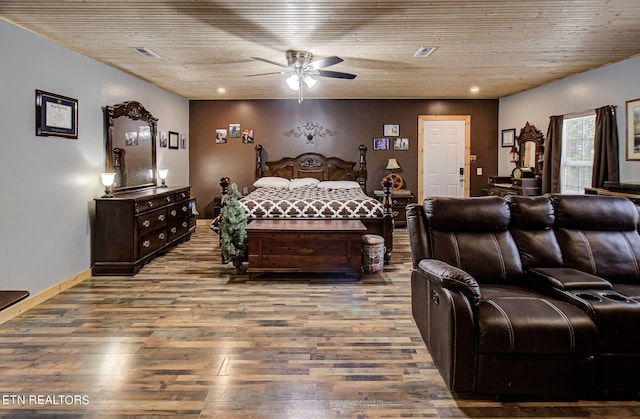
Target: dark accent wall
{"points": [[354, 121]]}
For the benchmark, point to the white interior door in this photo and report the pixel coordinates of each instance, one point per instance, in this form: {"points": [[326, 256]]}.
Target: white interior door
{"points": [[443, 144]]}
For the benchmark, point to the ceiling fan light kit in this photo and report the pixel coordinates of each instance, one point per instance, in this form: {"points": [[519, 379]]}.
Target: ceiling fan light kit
{"points": [[301, 69]]}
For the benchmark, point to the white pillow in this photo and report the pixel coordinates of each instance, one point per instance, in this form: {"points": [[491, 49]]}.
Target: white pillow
{"points": [[338, 184], [272, 182], [302, 182]]}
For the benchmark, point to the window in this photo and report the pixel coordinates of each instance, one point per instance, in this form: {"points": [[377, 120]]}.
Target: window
{"points": [[578, 133]]}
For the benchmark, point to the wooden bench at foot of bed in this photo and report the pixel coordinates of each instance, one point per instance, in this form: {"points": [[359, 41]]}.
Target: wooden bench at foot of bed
{"points": [[302, 246]]}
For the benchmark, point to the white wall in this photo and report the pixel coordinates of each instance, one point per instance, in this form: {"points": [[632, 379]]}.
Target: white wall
{"points": [[49, 183], [611, 85]]}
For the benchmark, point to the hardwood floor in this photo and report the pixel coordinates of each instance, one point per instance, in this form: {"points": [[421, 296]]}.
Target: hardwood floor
{"points": [[188, 337]]}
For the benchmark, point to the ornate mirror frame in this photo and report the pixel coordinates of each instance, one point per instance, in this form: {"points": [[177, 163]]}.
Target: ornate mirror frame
{"points": [[529, 134], [134, 164]]}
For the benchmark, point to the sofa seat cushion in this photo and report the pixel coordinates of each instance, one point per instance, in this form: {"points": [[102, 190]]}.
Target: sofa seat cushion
{"points": [[513, 319]]}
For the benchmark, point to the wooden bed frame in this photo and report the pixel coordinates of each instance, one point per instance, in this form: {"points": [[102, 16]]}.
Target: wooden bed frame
{"points": [[329, 168]]}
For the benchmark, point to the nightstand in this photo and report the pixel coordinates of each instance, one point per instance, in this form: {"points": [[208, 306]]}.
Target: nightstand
{"points": [[400, 198]]}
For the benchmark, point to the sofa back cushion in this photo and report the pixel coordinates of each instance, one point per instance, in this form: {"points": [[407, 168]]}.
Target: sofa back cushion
{"points": [[532, 219], [598, 235], [472, 234]]}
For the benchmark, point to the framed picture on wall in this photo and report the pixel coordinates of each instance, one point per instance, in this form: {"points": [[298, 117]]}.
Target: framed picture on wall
{"points": [[56, 115], [173, 140], [401, 144], [163, 139], [391, 130], [381, 144], [221, 136], [234, 130], [508, 137], [633, 129]]}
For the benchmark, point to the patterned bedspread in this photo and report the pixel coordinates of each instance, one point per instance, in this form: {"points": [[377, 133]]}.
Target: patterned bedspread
{"points": [[310, 202]]}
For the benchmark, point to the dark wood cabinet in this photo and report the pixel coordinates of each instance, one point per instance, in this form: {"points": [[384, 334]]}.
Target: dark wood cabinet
{"points": [[133, 227], [399, 201], [503, 186]]}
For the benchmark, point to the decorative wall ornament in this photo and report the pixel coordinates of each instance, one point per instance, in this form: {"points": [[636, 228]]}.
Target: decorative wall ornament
{"points": [[309, 130]]}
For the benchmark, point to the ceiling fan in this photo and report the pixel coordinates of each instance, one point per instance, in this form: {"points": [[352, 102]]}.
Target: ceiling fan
{"points": [[301, 69]]}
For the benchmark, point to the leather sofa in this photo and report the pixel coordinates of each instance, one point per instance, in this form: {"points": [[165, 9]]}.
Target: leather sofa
{"points": [[528, 295]]}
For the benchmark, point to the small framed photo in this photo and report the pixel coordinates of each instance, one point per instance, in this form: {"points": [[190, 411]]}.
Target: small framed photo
{"points": [[633, 129], [162, 139], [381, 144], [173, 140], [56, 115], [391, 130], [234, 130], [183, 141], [221, 136], [401, 144], [508, 137], [247, 136], [144, 132]]}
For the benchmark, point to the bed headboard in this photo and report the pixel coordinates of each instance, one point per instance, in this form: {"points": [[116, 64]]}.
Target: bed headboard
{"points": [[314, 165]]}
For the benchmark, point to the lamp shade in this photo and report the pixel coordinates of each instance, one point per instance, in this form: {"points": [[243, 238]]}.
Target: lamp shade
{"points": [[293, 82], [163, 173], [392, 164], [107, 178]]}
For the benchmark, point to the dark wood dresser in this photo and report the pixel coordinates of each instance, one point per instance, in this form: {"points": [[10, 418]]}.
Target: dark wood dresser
{"points": [[133, 227], [503, 186]]}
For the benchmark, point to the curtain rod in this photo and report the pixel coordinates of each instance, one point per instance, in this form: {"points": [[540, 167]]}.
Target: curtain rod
{"points": [[573, 114]]}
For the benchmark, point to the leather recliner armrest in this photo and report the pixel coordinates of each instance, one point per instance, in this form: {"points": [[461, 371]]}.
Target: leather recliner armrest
{"points": [[566, 279], [450, 277]]}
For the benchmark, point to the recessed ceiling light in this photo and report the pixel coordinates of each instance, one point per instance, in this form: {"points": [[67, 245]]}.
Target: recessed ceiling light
{"points": [[474, 89], [222, 90], [145, 52], [425, 51]]}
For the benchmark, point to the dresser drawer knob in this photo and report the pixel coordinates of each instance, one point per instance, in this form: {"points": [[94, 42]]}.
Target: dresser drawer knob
{"points": [[161, 217], [173, 230], [161, 236], [184, 208], [146, 223], [150, 204], [168, 199], [146, 243], [185, 224], [174, 213]]}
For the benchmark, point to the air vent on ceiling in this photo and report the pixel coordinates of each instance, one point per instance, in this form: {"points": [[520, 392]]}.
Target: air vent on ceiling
{"points": [[145, 52], [425, 51]]}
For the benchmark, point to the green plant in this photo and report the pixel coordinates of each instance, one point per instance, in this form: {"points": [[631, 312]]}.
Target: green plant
{"points": [[233, 227]]}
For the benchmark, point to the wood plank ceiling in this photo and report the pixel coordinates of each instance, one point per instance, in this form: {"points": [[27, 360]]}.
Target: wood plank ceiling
{"points": [[500, 46]]}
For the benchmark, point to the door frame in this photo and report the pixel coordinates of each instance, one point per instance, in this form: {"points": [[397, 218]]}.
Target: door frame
{"points": [[467, 149]]}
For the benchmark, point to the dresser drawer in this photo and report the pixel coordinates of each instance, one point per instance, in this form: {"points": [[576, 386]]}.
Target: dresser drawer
{"points": [[153, 203], [178, 211], [150, 221], [179, 196], [402, 202], [178, 229], [151, 242]]}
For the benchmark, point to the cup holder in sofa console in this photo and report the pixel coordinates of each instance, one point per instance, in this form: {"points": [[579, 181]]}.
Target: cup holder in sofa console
{"points": [[588, 297], [617, 297]]}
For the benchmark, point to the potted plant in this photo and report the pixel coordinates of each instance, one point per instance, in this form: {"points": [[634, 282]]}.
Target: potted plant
{"points": [[233, 228]]}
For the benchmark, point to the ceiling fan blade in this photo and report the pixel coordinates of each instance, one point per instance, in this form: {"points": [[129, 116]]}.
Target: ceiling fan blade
{"points": [[266, 74], [269, 61], [325, 62], [335, 74]]}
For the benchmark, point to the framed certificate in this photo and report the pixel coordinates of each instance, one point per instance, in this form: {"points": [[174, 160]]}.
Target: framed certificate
{"points": [[56, 115]]}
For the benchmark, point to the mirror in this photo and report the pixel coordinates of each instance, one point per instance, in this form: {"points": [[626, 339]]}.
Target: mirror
{"points": [[531, 148], [131, 145]]}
